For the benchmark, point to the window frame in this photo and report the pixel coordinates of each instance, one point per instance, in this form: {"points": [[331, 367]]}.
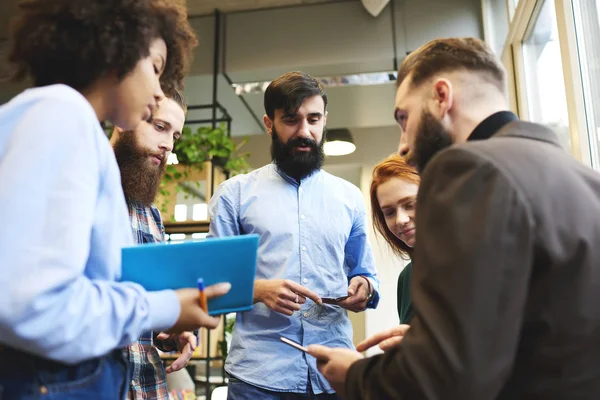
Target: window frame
{"points": [[523, 19]]}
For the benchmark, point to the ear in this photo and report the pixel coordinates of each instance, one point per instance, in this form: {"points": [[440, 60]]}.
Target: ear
{"points": [[325, 118], [268, 124], [443, 97], [116, 133]]}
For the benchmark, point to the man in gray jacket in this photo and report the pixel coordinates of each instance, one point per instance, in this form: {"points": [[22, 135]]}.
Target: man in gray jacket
{"points": [[506, 281]]}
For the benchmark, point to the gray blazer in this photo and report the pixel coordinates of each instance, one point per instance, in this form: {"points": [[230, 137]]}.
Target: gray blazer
{"points": [[506, 278]]}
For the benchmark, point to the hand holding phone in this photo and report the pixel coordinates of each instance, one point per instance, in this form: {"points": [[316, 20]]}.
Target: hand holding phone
{"points": [[333, 300]]}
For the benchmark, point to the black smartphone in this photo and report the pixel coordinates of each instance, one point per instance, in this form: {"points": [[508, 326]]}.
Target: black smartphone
{"points": [[333, 300]]}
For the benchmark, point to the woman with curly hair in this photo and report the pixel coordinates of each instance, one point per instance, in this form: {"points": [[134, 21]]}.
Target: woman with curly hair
{"points": [[63, 312]]}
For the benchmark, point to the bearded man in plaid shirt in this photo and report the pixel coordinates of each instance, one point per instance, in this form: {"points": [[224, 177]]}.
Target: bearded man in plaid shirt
{"points": [[142, 157]]}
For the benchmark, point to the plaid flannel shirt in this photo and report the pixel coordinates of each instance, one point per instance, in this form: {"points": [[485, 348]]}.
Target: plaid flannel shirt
{"points": [[149, 377]]}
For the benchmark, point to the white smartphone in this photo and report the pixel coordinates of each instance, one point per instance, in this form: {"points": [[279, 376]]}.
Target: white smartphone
{"points": [[293, 344]]}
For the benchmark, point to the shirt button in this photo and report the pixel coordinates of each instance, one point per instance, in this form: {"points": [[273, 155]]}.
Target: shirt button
{"points": [[303, 248], [43, 390], [303, 216], [305, 280], [305, 315]]}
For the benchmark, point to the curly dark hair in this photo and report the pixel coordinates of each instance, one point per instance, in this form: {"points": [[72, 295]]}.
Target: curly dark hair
{"points": [[75, 42]]}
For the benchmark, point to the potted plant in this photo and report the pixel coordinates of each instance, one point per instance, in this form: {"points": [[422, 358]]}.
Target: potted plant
{"points": [[194, 149], [223, 345]]}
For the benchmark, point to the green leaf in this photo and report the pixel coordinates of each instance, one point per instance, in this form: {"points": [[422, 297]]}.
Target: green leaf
{"points": [[195, 147]]}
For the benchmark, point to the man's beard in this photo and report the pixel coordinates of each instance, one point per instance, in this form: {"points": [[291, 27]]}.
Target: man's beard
{"points": [[140, 177], [431, 138], [297, 164]]}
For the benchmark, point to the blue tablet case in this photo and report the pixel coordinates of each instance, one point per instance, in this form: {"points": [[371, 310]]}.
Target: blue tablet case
{"points": [[179, 265]]}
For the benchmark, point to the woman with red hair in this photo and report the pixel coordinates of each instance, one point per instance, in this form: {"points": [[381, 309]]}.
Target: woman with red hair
{"points": [[393, 198]]}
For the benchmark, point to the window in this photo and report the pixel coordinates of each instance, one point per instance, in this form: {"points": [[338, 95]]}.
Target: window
{"points": [[511, 6], [495, 18], [180, 212], [544, 79], [586, 14], [200, 212]]}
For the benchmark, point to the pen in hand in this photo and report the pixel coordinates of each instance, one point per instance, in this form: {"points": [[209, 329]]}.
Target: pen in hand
{"points": [[203, 304], [202, 296]]}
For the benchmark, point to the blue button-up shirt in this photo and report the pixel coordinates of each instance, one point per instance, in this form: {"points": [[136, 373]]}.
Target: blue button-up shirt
{"points": [[312, 233], [63, 222]]}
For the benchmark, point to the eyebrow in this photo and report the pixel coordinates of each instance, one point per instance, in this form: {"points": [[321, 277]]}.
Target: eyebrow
{"points": [[293, 115], [162, 121], [401, 201]]}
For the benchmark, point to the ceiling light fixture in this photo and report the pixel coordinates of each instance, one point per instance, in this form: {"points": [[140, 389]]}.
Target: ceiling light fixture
{"points": [[364, 79], [339, 142]]}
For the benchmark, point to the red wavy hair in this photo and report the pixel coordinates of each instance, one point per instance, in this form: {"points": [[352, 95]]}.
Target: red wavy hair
{"points": [[392, 167]]}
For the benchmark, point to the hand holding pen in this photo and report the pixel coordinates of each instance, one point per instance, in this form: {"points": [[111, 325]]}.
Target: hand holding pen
{"points": [[202, 295], [192, 315]]}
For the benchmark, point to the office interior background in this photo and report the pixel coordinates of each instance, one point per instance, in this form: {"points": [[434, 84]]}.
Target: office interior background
{"points": [[550, 48]]}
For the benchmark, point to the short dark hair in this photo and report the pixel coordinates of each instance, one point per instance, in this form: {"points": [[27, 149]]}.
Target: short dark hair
{"points": [[289, 91], [177, 97], [445, 55], [75, 42]]}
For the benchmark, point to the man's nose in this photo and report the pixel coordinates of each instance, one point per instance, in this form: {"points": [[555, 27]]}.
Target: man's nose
{"points": [[166, 145], [403, 149], [304, 129]]}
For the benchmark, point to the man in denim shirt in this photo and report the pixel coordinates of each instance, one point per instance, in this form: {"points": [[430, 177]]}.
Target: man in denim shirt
{"points": [[313, 245]]}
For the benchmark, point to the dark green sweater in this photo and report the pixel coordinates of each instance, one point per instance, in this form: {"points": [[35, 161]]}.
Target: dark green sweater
{"points": [[405, 310]]}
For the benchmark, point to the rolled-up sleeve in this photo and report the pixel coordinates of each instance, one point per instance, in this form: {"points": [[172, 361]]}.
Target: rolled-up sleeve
{"points": [[223, 211], [359, 258]]}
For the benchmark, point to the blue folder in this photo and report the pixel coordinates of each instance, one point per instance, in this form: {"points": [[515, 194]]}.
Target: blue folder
{"points": [[175, 266]]}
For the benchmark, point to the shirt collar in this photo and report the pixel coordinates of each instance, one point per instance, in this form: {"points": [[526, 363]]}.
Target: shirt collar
{"points": [[293, 180], [492, 124]]}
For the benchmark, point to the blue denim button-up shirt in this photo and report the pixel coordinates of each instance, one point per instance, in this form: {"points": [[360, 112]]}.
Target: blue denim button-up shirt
{"points": [[312, 233]]}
